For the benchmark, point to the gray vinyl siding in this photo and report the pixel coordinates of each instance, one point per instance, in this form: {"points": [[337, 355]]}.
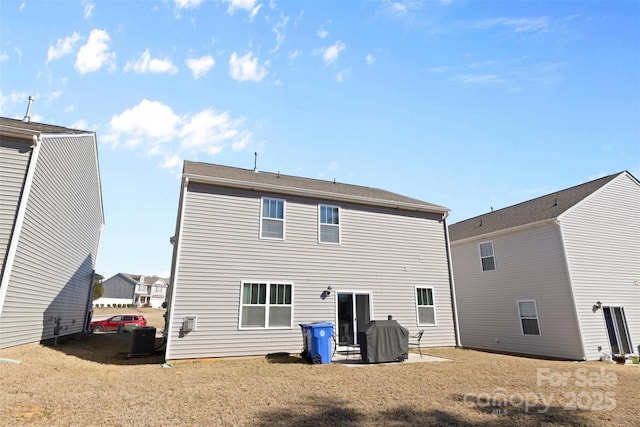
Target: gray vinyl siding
{"points": [[530, 265], [219, 247], [119, 286], [602, 241], [55, 257], [14, 160]]}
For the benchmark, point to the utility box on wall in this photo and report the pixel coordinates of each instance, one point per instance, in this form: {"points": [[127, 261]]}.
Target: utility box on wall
{"points": [[189, 324]]}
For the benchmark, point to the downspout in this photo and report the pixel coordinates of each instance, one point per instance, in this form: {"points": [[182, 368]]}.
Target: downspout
{"points": [[20, 213], [89, 307], [452, 286]]}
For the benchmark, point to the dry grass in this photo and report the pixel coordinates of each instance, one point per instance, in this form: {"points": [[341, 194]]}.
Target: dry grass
{"points": [[88, 380]]}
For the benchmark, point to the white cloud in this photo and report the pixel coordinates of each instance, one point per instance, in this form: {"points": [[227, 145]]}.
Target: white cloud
{"points": [[54, 95], [246, 68], [210, 132], [293, 54], [149, 122], [95, 53], [22, 6], [155, 129], [200, 66], [330, 54], [278, 29], [370, 59], [482, 79], [187, 4], [16, 100], [322, 33], [171, 162], [342, 75], [63, 47], [248, 5], [80, 124], [3, 57], [145, 64], [518, 25], [88, 9]]}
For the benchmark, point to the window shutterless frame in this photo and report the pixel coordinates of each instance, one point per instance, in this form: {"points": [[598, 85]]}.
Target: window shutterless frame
{"points": [[329, 224], [265, 305], [528, 314], [425, 306], [487, 256], [272, 218]]}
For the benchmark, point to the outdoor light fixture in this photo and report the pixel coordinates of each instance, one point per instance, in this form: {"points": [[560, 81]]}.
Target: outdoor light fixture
{"points": [[328, 291], [597, 305]]}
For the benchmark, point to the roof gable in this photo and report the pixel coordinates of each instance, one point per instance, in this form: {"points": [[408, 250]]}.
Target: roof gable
{"points": [[542, 208], [292, 185]]}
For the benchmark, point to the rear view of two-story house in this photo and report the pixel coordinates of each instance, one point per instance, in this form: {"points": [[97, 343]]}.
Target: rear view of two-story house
{"points": [[557, 276], [256, 254]]}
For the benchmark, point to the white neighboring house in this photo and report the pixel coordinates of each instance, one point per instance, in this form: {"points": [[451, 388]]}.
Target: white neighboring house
{"points": [[51, 220], [151, 291], [557, 276]]}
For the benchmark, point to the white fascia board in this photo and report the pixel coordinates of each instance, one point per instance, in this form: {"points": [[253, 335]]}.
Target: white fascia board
{"points": [[315, 194], [505, 231]]}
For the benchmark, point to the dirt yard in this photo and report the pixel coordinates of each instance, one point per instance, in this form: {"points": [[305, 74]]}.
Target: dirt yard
{"points": [[89, 380]]}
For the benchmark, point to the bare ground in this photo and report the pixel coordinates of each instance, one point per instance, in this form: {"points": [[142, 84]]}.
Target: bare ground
{"points": [[89, 380]]}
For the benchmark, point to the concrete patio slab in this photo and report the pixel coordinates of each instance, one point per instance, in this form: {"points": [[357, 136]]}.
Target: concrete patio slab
{"points": [[353, 360]]}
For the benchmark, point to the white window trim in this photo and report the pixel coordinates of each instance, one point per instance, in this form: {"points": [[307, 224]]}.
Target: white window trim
{"points": [[435, 317], [535, 306], [267, 305], [284, 216], [493, 255], [320, 224]]}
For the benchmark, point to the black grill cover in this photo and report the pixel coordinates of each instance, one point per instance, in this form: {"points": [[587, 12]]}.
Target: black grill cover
{"points": [[384, 341]]}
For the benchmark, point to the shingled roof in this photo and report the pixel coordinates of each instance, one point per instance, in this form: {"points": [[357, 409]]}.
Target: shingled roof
{"points": [[542, 208], [286, 184], [38, 127]]}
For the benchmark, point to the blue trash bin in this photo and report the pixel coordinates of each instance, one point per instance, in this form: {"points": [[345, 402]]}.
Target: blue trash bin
{"points": [[319, 338]]}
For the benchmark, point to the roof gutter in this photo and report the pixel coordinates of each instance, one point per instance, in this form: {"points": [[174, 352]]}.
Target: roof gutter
{"points": [[505, 231], [316, 193]]}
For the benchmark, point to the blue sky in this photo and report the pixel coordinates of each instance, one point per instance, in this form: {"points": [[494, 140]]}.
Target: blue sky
{"points": [[466, 104]]}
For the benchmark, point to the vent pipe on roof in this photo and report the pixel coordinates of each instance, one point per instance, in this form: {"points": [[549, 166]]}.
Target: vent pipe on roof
{"points": [[27, 116], [255, 163]]}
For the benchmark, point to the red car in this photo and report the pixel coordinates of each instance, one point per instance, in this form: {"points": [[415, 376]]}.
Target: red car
{"points": [[117, 323]]}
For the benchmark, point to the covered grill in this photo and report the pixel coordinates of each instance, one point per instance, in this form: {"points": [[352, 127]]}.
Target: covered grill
{"points": [[384, 341]]}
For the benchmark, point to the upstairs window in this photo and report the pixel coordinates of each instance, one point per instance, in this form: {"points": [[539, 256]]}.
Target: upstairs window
{"points": [[426, 308], [329, 224], [272, 219], [266, 305], [528, 317], [486, 256]]}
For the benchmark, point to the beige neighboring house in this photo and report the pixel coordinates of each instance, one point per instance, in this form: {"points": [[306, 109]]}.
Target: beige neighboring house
{"points": [[151, 291], [557, 276], [51, 221]]}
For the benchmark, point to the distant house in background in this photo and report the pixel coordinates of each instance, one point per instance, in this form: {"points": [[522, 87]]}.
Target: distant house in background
{"points": [[256, 254], [51, 219], [556, 276], [118, 289], [142, 291], [151, 291]]}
